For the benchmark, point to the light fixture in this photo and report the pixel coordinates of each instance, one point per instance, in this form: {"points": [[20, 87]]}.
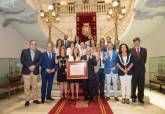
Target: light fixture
{"points": [[50, 17], [53, 13], [42, 14], [108, 17], [57, 19], [115, 3], [110, 12], [116, 12], [123, 10], [120, 16], [50, 7]]}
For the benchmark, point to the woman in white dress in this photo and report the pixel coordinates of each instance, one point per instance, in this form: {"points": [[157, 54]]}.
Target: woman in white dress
{"points": [[70, 49], [77, 41], [93, 46], [82, 49], [74, 83]]}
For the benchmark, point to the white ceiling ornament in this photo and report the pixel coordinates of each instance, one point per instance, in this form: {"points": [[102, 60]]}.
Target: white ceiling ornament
{"points": [[12, 6], [24, 14], [142, 14], [28, 18], [155, 3], [151, 9]]}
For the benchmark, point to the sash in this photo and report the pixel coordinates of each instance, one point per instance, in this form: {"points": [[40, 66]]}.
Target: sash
{"points": [[122, 62]]}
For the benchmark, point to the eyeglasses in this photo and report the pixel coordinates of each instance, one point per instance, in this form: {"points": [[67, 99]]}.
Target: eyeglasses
{"points": [[34, 44]]}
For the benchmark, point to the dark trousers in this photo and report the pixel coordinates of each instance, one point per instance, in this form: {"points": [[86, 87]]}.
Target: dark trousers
{"points": [[47, 82], [88, 86], [100, 78], [138, 81]]}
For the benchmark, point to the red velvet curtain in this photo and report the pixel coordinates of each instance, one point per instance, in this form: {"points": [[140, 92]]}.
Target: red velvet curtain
{"points": [[86, 25]]}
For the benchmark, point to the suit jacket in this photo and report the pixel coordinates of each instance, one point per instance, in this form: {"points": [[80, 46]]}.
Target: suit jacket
{"points": [[91, 63], [108, 63], [129, 61], [67, 44], [26, 61], [139, 61], [47, 62]]}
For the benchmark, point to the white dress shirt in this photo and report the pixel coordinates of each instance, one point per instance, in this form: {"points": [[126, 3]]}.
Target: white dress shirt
{"points": [[49, 54], [111, 54], [32, 53], [101, 56], [82, 52]]}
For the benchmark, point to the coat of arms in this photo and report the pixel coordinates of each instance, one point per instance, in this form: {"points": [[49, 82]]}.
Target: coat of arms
{"points": [[86, 29]]}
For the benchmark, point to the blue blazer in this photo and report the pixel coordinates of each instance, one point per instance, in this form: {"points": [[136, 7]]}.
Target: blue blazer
{"points": [[27, 61], [108, 64], [47, 62]]}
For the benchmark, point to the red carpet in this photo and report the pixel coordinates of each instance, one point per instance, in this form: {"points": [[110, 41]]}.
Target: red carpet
{"points": [[98, 106]]}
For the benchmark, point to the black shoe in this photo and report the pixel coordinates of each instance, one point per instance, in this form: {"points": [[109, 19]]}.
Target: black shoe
{"points": [[102, 96], [91, 99], [27, 103], [86, 98], [123, 100], [116, 99], [42, 100], [127, 101], [141, 101], [51, 99], [133, 100], [107, 98], [37, 102]]}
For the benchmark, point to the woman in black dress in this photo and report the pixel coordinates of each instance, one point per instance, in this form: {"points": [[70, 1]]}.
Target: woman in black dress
{"points": [[61, 73], [74, 83]]}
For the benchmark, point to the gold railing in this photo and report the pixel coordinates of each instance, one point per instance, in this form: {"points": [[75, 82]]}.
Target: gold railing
{"points": [[70, 9]]}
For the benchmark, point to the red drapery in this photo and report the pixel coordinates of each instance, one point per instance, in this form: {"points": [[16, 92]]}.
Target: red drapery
{"points": [[86, 25]]}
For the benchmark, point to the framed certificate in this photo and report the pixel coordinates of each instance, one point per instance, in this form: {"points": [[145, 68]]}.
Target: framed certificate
{"points": [[77, 70]]}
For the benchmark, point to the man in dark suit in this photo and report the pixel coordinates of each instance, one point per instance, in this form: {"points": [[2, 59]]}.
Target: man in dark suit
{"points": [[89, 84], [47, 73], [66, 42], [138, 79], [31, 59]]}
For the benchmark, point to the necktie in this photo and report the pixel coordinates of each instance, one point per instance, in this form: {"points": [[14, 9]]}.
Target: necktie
{"points": [[138, 52], [32, 55], [100, 59], [50, 57], [74, 58], [110, 54], [87, 58], [65, 43], [90, 43]]}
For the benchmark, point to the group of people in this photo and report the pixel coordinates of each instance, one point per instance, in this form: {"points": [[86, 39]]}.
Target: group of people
{"points": [[106, 66]]}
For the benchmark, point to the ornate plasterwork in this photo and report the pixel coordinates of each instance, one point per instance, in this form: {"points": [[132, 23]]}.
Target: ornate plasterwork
{"points": [[155, 3], [17, 11], [12, 6], [147, 13], [140, 15]]}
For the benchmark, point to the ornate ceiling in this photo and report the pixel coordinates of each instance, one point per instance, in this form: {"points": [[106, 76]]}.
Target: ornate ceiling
{"points": [[23, 16]]}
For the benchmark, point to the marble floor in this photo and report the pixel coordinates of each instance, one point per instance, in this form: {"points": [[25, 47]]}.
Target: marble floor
{"points": [[155, 105]]}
